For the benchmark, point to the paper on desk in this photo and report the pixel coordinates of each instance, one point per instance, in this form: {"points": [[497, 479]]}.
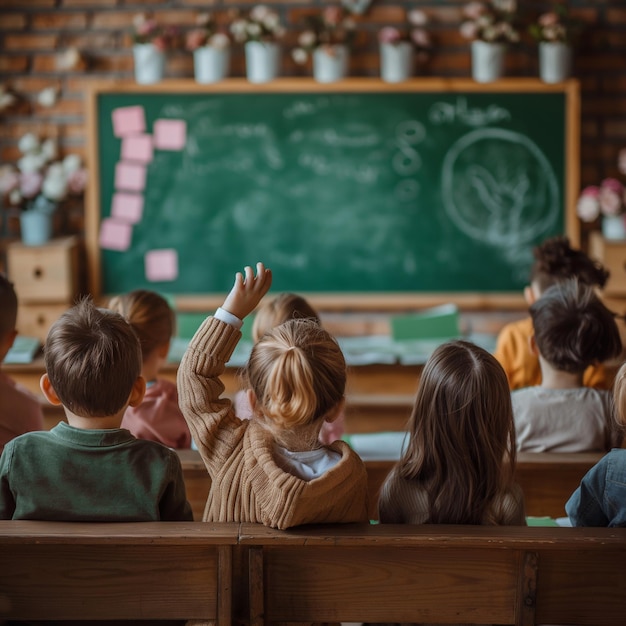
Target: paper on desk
{"points": [[368, 350], [381, 446], [23, 350]]}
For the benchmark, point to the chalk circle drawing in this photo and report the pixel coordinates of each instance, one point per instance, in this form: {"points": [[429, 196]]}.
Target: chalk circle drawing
{"points": [[499, 187]]}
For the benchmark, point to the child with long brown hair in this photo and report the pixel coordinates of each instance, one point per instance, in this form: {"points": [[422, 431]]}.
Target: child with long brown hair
{"points": [[158, 417], [458, 466]]}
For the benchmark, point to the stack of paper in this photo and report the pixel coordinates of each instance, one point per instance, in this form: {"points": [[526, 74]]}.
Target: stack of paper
{"points": [[23, 350]]}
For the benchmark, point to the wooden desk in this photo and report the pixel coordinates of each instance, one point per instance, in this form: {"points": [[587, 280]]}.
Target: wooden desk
{"points": [[379, 397]]}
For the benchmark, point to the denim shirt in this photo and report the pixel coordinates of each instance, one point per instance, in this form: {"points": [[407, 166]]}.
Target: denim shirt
{"points": [[600, 500]]}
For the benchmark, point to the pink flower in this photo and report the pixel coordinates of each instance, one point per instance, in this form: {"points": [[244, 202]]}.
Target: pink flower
{"points": [[389, 34], [588, 207], [548, 19], [420, 38], [474, 10], [77, 181], [195, 39], [30, 184], [469, 30], [332, 15], [610, 197]]}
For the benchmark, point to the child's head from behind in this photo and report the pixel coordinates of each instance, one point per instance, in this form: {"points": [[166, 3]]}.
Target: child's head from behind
{"points": [[150, 315], [462, 433], [556, 260], [93, 359], [572, 327], [8, 308], [298, 375], [284, 307]]}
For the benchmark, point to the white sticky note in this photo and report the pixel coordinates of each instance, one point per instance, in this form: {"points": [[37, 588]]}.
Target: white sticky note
{"points": [[127, 207], [128, 121], [115, 235], [161, 265], [130, 176], [137, 148], [170, 134]]}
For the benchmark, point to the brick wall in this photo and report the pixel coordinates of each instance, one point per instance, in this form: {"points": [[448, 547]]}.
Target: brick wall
{"points": [[34, 32]]}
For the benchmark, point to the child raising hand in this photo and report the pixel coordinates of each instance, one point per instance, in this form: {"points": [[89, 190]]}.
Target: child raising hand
{"points": [[272, 469]]}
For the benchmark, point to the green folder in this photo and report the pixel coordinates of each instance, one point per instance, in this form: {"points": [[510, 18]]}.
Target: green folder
{"points": [[440, 322]]}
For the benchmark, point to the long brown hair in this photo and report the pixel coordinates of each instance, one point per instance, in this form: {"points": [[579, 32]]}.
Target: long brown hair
{"points": [[462, 436]]}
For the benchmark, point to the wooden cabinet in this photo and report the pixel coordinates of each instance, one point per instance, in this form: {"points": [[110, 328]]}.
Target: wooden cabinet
{"points": [[46, 280], [612, 254]]}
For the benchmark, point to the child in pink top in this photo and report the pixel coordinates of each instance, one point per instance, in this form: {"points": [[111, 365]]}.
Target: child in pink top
{"points": [[20, 411], [158, 417]]}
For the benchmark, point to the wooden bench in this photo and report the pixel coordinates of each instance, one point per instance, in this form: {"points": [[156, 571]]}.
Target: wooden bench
{"points": [[374, 573], [119, 571], [437, 574], [547, 479]]}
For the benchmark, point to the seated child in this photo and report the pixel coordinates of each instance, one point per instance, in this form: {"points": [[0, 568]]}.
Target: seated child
{"points": [[555, 260], [271, 469], [458, 465], [284, 307], [573, 330], [20, 410], [600, 500], [158, 417], [90, 469]]}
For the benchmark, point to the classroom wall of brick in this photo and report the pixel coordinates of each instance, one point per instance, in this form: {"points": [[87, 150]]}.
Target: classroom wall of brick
{"points": [[33, 33]]}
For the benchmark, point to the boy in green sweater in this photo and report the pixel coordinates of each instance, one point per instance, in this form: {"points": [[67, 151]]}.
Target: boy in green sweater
{"points": [[90, 469]]}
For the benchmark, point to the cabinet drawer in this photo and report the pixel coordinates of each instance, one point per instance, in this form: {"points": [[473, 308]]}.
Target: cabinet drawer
{"points": [[47, 273], [35, 320]]}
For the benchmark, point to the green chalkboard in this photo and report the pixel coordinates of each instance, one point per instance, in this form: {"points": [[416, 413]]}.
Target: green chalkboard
{"points": [[356, 188]]}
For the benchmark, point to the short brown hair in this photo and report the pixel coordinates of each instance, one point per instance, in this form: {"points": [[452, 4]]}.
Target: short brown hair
{"points": [[150, 315], [92, 359], [573, 329], [8, 306], [556, 260]]}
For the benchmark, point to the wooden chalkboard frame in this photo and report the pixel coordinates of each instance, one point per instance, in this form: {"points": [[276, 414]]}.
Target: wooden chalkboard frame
{"points": [[353, 301]]}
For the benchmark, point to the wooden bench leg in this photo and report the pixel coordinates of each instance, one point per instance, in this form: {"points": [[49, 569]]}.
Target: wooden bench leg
{"points": [[225, 585], [257, 601], [527, 592]]}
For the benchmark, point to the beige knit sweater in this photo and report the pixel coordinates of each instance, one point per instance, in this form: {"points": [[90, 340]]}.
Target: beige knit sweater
{"points": [[247, 485]]}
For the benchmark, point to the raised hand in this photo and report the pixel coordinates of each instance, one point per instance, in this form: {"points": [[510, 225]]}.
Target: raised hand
{"points": [[248, 290]]}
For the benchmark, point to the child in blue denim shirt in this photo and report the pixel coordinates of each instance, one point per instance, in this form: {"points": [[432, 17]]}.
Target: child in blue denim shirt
{"points": [[600, 500]]}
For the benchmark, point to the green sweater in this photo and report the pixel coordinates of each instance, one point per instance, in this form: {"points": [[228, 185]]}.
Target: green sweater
{"points": [[76, 475], [247, 485]]}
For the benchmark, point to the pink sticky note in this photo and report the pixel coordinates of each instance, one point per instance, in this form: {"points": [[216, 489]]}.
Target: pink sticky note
{"points": [[127, 207], [161, 265], [130, 176], [170, 134], [128, 121], [137, 148], [115, 235]]}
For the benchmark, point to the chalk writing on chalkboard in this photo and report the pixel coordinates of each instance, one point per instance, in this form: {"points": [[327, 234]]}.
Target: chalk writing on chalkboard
{"points": [[368, 191]]}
